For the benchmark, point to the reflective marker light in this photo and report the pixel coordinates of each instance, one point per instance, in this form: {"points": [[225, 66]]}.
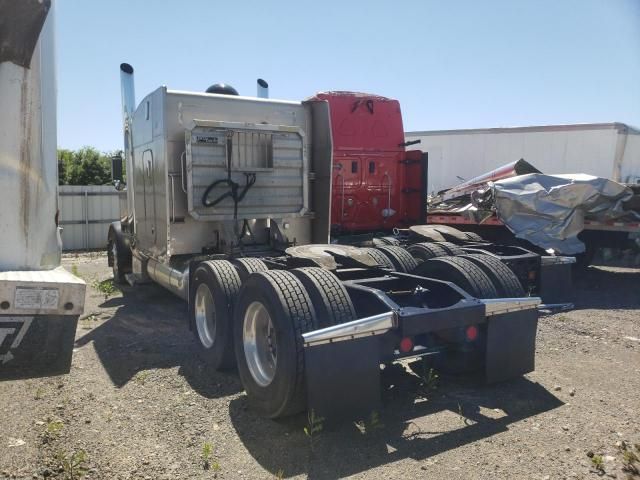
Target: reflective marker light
{"points": [[471, 333], [406, 345]]}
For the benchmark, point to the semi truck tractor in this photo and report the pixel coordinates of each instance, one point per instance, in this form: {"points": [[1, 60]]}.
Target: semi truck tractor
{"points": [[229, 202], [379, 199], [40, 302]]}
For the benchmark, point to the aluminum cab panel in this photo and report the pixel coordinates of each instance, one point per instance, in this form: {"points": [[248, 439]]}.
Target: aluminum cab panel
{"points": [[273, 155], [150, 175], [163, 224]]}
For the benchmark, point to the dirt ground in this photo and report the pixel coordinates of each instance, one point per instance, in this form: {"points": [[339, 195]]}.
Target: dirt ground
{"points": [[138, 404]]}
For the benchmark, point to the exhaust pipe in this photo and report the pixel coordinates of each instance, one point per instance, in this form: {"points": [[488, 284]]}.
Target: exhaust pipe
{"points": [[128, 107], [263, 88], [128, 92]]}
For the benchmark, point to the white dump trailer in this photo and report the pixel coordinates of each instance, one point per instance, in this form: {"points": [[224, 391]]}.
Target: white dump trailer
{"points": [[39, 301], [609, 150]]}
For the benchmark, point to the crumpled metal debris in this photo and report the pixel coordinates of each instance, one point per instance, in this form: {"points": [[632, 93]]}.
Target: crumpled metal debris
{"points": [[549, 210]]}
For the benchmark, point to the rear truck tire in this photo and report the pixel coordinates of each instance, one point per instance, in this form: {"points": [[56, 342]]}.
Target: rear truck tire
{"points": [[379, 257], [503, 278], [382, 241], [328, 296], [118, 254], [212, 294], [400, 258], [461, 272], [474, 237], [272, 312], [451, 248], [248, 265], [425, 250]]}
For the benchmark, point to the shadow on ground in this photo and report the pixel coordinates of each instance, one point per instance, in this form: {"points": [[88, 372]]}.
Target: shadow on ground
{"points": [[147, 331], [282, 446], [596, 287]]}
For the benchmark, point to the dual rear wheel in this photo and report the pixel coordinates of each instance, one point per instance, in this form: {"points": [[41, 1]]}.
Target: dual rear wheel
{"points": [[257, 324]]}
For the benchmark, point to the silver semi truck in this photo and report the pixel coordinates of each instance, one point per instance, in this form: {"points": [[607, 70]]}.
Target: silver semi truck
{"points": [[228, 201]]}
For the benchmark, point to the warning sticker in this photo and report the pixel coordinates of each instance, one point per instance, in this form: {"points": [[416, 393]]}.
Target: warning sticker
{"points": [[37, 298]]}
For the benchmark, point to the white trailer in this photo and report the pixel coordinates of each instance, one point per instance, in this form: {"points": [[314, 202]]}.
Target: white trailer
{"points": [[40, 302], [609, 150]]}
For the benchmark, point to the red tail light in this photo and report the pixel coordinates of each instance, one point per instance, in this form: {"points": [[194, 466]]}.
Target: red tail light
{"points": [[406, 345], [471, 333]]}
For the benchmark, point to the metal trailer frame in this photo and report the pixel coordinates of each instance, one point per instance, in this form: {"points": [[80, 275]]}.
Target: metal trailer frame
{"points": [[343, 362], [545, 276], [397, 308]]}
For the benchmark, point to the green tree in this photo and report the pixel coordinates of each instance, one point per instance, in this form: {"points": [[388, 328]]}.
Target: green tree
{"points": [[86, 166]]}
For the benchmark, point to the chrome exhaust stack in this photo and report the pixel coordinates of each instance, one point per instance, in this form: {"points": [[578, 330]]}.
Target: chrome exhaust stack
{"points": [[128, 91], [128, 108], [263, 88]]}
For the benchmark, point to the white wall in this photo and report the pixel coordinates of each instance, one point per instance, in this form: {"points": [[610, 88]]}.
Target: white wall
{"points": [[85, 215], [554, 151]]}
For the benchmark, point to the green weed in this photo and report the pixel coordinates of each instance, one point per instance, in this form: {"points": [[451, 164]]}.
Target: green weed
{"points": [[630, 460], [73, 466], [464, 419], [598, 462], [141, 377], [106, 287], [39, 394], [52, 430], [315, 425], [371, 424], [207, 457]]}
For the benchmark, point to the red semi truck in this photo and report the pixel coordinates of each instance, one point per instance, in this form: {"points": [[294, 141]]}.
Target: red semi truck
{"points": [[376, 184]]}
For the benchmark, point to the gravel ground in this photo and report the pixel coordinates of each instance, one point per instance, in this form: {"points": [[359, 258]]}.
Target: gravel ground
{"points": [[139, 405]]}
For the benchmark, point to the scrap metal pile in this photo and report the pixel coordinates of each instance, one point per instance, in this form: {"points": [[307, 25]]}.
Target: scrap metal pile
{"points": [[546, 210]]}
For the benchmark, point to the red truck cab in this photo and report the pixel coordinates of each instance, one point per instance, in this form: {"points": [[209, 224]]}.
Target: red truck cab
{"points": [[376, 185]]}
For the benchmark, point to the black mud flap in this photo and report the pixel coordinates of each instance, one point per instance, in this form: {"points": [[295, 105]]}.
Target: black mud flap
{"points": [[556, 282], [343, 379], [511, 345], [36, 345]]}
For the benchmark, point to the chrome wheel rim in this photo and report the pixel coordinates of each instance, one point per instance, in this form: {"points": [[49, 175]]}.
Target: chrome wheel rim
{"points": [[205, 315], [260, 344]]}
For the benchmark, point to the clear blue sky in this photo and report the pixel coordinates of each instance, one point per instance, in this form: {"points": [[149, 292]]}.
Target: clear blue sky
{"points": [[452, 64]]}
